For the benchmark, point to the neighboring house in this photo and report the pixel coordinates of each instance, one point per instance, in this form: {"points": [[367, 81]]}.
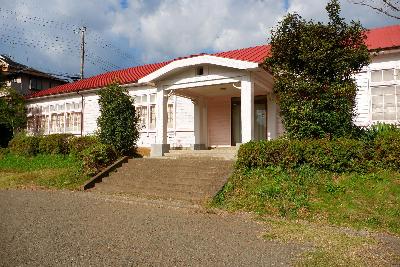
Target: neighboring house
{"points": [[209, 100], [24, 79]]}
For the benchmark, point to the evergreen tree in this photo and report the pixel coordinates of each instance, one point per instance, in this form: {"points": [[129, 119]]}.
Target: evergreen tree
{"points": [[118, 123], [314, 66]]}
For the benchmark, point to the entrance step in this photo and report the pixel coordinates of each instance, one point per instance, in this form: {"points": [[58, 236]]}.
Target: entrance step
{"points": [[226, 153], [187, 179]]}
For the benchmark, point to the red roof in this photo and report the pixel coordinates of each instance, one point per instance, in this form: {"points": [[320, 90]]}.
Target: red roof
{"points": [[379, 38]]}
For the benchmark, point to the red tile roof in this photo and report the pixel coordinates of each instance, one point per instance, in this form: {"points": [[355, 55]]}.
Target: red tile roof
{"points": [[124, 76], [255, 54], [385, 37], [379, 38]]}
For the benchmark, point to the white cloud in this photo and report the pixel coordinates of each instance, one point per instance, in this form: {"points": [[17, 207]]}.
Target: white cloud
{"points": [[182, 27], [151, 30]]}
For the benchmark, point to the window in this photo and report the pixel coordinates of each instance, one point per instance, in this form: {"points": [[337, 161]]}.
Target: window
{"points": [[384, 75], [143, 115], [56, 118], [53, 123], [170, 111], [77, 121], [385, 103], [30, 124], [199, 71], [145, 105], [36, 84], [152, 116], [141, 99]]}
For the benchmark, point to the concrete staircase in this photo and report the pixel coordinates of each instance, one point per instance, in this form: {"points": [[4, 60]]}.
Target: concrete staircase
{"points": [[193, 179], [226, 153]]}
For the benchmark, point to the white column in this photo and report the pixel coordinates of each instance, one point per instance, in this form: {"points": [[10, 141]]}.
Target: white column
{"points": [[247, 109], [198, 124], [271, 116], [204, 130], [161, 117], [161, 146]]}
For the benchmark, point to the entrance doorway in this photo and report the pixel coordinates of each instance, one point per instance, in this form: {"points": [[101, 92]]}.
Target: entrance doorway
{"points": [[260, 119]]}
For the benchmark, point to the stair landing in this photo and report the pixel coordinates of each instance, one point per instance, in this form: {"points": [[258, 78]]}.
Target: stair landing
{"points": [[226, 153]]}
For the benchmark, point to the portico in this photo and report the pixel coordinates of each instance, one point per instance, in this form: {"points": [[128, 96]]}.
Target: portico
{"points": [[233, 101]]}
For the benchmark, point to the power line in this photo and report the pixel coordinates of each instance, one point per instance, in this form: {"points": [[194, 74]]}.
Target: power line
{"points": [[51, 23], [59, 43]]}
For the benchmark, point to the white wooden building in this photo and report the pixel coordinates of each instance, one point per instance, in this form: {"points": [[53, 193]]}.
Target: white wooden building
{"points": [[210, 100]]}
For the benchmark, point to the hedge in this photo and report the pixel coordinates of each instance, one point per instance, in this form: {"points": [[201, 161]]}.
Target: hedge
{"points": [[54, 144], [96, 157], [78, 144], [89, 149], [24, 145], [339, 155]]}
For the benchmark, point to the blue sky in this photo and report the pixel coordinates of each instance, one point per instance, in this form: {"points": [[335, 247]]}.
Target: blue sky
{"points": [[123, 33]]}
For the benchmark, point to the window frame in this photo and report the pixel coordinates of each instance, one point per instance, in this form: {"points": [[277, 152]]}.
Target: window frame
{"points": [[394, 83]]}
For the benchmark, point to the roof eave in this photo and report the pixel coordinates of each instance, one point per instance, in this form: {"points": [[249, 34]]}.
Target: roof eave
{"points": [[86, 91]]}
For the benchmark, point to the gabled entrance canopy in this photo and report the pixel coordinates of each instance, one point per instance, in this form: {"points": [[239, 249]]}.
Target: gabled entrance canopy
{"points": [[195, 61], [212, 91]]}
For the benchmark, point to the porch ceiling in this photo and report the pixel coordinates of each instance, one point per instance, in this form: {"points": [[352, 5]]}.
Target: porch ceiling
{"points": [[226, 89]]}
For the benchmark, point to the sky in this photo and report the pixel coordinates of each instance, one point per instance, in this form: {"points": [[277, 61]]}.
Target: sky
{"points": [[45, 34]]}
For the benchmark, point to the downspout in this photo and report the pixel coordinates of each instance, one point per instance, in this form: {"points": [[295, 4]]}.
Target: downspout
{"points": [[81, 112]]}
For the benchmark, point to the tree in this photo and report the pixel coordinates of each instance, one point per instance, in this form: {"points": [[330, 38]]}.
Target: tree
{"points": [[118, 123], [389, 8], [313, 64], [12, 113]]}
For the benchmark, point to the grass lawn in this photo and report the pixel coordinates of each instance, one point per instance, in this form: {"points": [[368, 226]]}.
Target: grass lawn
{"points": [[358, 200], [313, 207], [49, 171]]}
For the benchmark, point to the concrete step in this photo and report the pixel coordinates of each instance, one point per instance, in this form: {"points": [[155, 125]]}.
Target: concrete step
{"points": [[190, 178], [223, 156]]}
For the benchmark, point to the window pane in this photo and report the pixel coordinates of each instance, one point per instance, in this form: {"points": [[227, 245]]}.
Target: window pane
{"points": [[153, 98], [376, 76], [398, 74], [377, 116], [389, 104], [138, 100], [170, 116], [388, 75], [389, 90], [143, 116], [152, 116], [377, 91], [144, 99], [68, 123]]}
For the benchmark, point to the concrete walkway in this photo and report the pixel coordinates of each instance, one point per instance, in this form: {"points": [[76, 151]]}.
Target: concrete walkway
{"points": [[42, 228]]}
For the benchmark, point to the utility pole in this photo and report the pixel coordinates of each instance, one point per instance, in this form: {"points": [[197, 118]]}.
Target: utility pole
{"points": [[82, 31]]}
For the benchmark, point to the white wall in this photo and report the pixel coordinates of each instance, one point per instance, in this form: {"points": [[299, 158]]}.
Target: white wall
{"points": [[182, 133], [363, 79]]}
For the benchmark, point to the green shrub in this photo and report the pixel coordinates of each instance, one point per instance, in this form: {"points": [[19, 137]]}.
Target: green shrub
{"points": [[338, 155], [54, 144], [24, 145], [379, 129], [78, 144], [265, 153], [3, 152], [96, 157], [118, 123], [387, 150]]}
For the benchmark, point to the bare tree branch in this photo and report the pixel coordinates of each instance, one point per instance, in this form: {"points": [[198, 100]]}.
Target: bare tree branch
{"points": [[386, 7]]}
